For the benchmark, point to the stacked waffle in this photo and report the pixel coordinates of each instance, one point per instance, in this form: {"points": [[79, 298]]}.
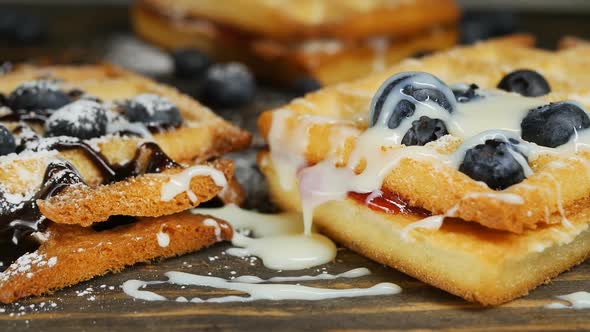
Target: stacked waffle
{"points": [[97, 167], [328, 40]]}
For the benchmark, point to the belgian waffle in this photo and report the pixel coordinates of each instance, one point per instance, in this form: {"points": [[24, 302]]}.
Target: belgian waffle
{"points": [[339, 41], [112, 154], [497, 241]]}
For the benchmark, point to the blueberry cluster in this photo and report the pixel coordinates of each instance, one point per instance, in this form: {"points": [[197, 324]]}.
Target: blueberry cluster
{"points": [[406, 90], [74, 114], [37, 96], [221, 85], [225, 85], [35, 100], [496, 161]]}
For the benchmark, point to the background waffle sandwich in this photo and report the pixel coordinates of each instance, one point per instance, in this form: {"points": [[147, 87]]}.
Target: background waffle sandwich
{"points": [[287, 40], [116, 156], [467, 169]]}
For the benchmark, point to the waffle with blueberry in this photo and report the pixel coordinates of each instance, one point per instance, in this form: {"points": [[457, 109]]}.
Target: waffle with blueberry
{"points": [[468, 169], [324, 40], [97, 165]]}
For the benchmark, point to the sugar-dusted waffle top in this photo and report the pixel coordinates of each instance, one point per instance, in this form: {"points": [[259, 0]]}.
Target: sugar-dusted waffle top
{"points": [[422, 132], [81, 144]]}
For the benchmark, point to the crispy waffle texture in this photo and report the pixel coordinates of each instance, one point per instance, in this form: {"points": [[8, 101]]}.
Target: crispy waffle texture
{"points": [[73, 254], [494, 249], [138, 197], [466, 259], [321, 54], [203, 134], [71, 251], [439, 188]]}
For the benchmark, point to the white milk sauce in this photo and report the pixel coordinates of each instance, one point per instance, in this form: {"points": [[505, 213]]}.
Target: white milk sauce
{"points": [[163, 238], [259, 289], [277, 239], [181, 182], [577, 300], [496, 114], [216, 227]]}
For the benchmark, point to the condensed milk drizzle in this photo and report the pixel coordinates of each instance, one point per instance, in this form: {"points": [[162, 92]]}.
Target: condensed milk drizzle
{"points": [[260, 289], [493, 114], [270, 232], [577, 300]]}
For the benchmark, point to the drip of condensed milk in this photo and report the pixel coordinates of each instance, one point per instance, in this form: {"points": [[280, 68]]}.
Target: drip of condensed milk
{"points": [[181, 182], [494, 114], [277, 239]]}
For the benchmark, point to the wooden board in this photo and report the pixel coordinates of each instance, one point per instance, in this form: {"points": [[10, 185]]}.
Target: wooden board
{"points": [[419, 307]]}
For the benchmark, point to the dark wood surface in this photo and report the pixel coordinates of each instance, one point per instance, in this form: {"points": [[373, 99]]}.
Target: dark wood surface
{"points": [[418, 308]]}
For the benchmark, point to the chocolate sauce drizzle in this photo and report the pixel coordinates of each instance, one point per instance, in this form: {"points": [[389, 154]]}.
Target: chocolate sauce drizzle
{"points": [[149, 158], [19, 220]]}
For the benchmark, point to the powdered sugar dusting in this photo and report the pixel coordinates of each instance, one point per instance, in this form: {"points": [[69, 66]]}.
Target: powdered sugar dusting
{"points": [[47, 143], [230, 70], [83, 115], [36, 86], [9, 159], [153, 103], [25, 265]]}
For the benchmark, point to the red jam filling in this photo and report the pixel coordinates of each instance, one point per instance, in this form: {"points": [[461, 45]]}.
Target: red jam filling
{"points": [[388, 202]]}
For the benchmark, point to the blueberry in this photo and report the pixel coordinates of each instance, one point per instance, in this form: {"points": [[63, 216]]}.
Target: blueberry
{"points": [[37, 96], [305, 85], [5, 68], [228, 85], [485, 25], [494, 164], [526, 82], [554, 124], [424, 130], [407, 89], [466, 93], [152, 110], [190, 63], [7, 143], [21, 28], [83, 119]]}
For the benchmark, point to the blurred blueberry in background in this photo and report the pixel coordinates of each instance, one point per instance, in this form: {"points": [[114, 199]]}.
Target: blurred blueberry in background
{"points": [[21, 28], [479, 25]]}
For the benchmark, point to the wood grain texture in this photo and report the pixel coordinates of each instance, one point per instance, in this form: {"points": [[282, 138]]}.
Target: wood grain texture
{"points": [[418, 308]]}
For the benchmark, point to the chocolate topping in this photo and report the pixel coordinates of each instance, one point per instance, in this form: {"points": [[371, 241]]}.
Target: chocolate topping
{"points": [[20, 216], [19, 219]]}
